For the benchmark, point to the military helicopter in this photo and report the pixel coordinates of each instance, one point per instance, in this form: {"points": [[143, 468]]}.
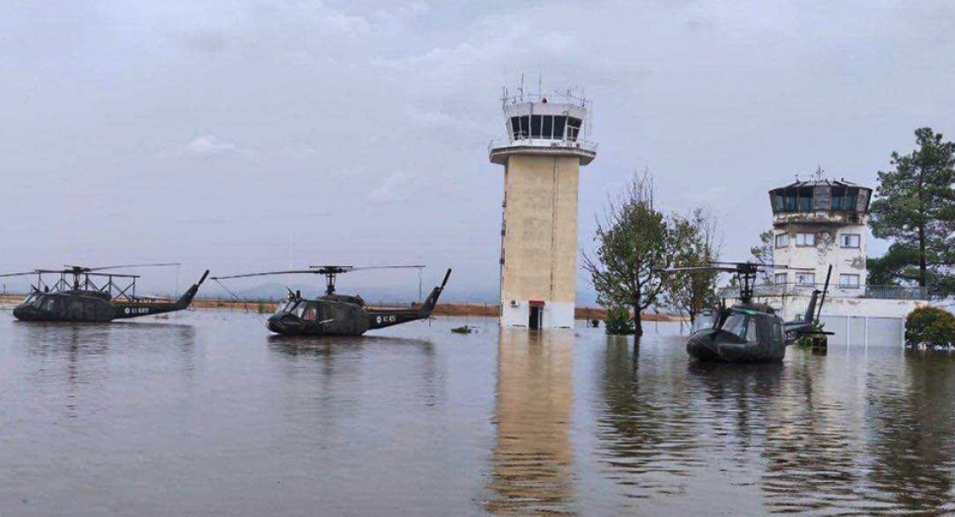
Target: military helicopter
{"points": [[93, 295], [336, 314], [748, 331]]}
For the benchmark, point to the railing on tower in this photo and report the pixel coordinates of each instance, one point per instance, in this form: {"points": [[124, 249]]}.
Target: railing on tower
{"points": [[583, 145], [883, 292]]}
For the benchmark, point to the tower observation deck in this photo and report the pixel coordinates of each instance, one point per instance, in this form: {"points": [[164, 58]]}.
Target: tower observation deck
{"points": [[544, 147]]}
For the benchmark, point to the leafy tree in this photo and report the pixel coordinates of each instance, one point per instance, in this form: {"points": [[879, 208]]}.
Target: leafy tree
{"points": [[763, 254], [634, 243], [915, 208], [690, 292], [930, 327], [618, 322]]}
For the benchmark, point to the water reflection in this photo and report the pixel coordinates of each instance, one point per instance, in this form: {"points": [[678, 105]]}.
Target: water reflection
{"points": [[81, 356], [912, 415], [810, 448], [647, 427], [532, 458]]}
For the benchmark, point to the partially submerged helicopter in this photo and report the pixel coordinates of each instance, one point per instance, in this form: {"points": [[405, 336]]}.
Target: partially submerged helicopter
{"points": [[748, 331], [93, 295], [336, 314]]}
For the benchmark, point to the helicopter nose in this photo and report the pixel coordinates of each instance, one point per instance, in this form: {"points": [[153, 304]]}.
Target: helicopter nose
{"points": [[24, 313]]}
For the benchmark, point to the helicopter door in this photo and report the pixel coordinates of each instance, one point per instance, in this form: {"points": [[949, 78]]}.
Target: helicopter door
{"points": [[311, 312]]}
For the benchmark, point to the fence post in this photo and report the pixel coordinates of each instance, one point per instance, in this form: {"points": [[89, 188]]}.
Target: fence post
{"points": [[902, 323], [866, 338], [848, 331]]}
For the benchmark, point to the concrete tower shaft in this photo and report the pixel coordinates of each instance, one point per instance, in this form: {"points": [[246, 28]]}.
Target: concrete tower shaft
{"points": [[542, 155]]}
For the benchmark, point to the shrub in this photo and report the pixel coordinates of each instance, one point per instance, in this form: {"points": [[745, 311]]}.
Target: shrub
{"points": [[930, 327], [618, 322]]}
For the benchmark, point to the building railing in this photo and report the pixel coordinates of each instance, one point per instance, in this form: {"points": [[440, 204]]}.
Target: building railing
{"points": [[896, 292], [544, 143], [555, 97], [882, 292]]}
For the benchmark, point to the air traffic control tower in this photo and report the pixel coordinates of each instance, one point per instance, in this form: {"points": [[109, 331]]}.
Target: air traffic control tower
{"points": [[542, 154]]}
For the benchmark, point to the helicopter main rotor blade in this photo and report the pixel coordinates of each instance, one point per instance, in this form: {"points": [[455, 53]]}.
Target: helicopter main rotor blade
{"points": [[123, 266], [7, 275], [759, 265], [697, 268], [345, 269], [271, 273]]}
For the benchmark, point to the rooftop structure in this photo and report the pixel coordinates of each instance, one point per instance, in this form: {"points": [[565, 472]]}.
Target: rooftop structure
{"points": [[820, 202]]}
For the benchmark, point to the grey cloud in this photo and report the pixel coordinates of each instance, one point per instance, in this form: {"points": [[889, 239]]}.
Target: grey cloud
{"points": [[361, 127]]}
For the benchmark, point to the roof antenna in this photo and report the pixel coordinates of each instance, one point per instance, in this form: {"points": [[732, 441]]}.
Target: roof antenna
{"points": [[819, 172]]}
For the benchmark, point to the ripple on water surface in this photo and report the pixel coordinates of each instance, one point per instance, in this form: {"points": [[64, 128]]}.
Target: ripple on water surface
{"points": [[206, 413]]}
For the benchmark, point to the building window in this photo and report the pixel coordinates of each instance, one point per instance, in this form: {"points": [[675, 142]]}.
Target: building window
{"points": [[782, 240], [559, 124], [849, 281], [806, 279], [850, 240], [805, 240], [781, 278], [573, 128], [536, 122], [548, 130]]}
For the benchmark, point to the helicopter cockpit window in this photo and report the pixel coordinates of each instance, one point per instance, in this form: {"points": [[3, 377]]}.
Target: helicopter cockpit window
{"points": [[703, 321], [736, 324], [285, 306]]}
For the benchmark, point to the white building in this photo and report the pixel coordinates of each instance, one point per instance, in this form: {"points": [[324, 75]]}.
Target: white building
{"points": [[542, 154], [822, 223]]}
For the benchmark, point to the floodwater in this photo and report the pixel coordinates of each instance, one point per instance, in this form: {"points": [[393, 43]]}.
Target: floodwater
{"points": [[206, 413]]}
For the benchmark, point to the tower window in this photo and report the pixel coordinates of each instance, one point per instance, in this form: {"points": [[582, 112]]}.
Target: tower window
{"points": [[781, 279], [805, 199], [573, 128], [805, 240], [805, 278], [850, 240], [848, 281], [559, 124], [536, 126], [782, 240], [548, 128]]}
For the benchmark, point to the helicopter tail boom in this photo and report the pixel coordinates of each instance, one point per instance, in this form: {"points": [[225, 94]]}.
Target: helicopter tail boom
{"points": [[187, 296], [140, 308], [428, 306]]}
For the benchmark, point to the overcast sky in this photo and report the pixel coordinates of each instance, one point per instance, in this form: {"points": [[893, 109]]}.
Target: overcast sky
{"points": [[215, 133]]}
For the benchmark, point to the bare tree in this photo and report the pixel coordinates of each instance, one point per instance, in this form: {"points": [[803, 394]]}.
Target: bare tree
{"points": [[699, 243], [763, 254]]}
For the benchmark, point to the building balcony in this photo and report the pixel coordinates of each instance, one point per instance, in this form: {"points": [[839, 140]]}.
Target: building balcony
{"points": [[500, 149]]}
